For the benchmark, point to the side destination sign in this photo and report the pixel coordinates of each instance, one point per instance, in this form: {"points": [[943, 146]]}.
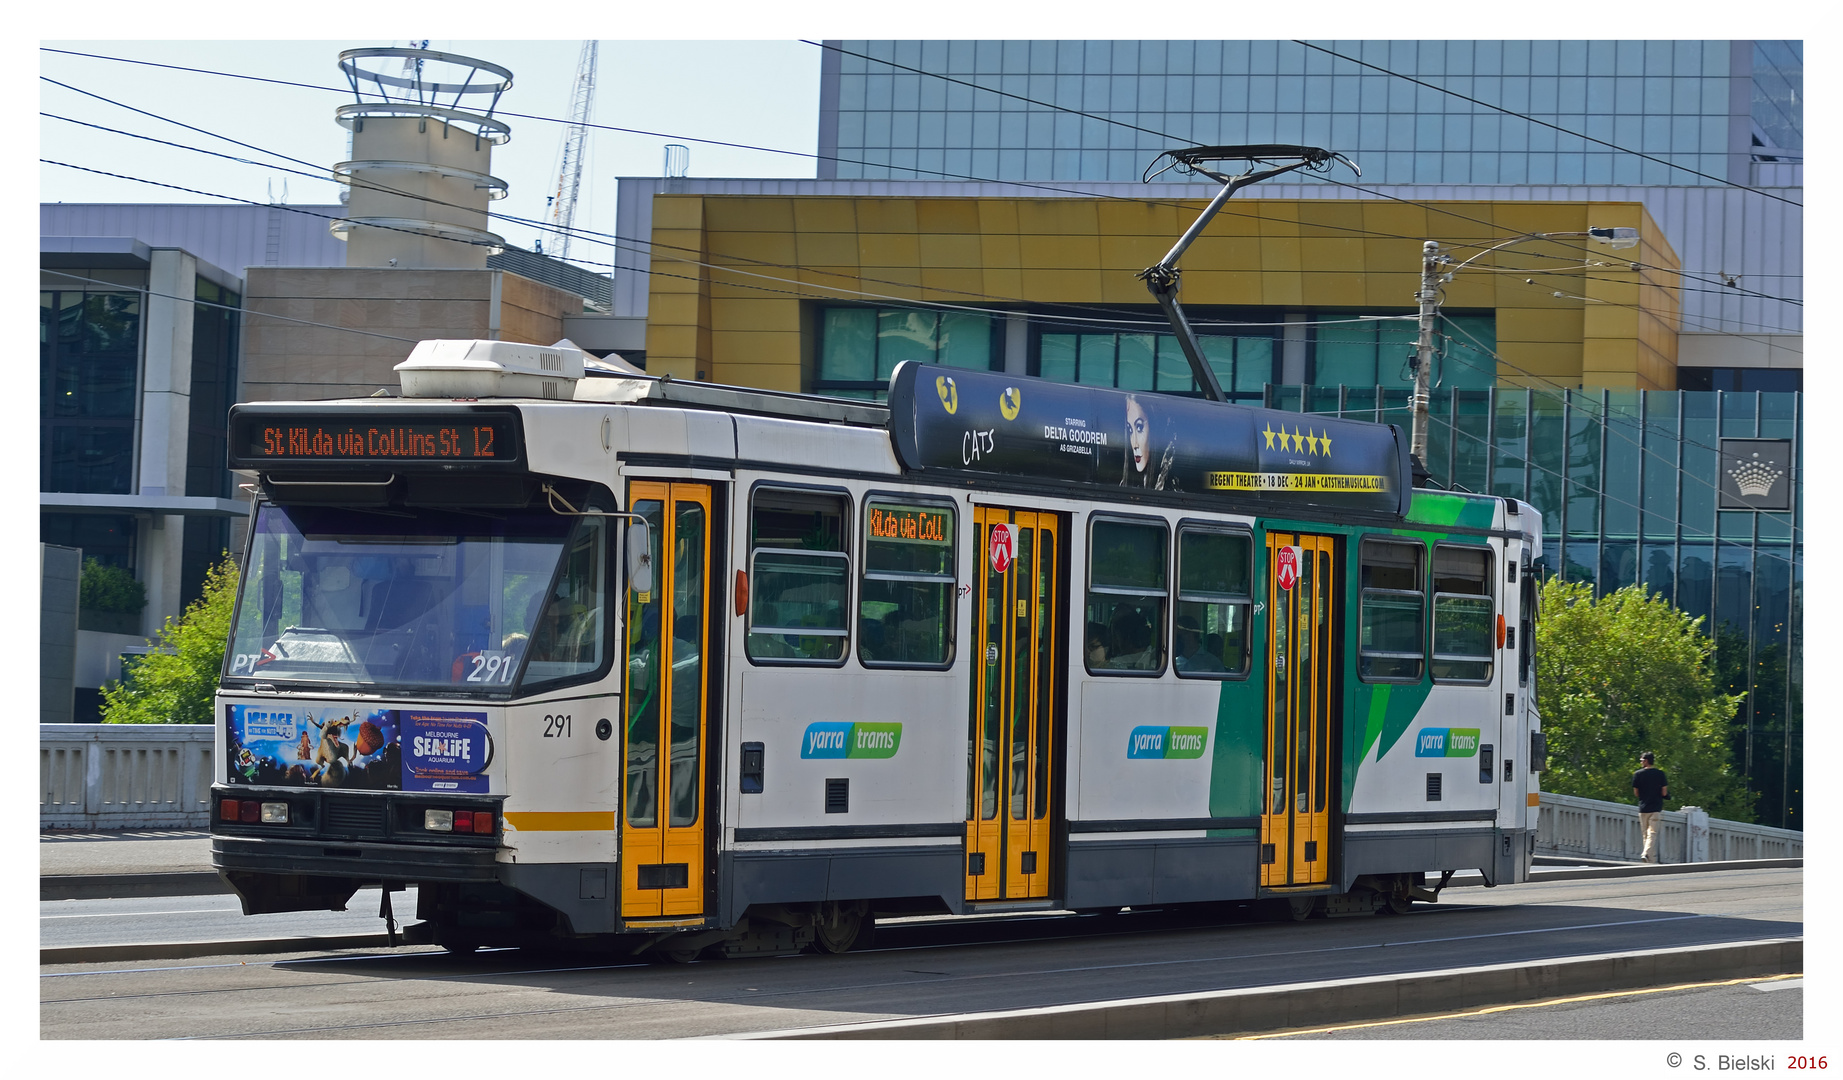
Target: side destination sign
{"points": [[951, 418]]}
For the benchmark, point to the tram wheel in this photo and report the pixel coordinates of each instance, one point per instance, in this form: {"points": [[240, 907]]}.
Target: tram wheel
{"points": [[1301, 907], [1399, 904], [841, 927]]}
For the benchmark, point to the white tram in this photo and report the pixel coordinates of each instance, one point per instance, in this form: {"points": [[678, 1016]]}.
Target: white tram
{"points": [[683, 667]]}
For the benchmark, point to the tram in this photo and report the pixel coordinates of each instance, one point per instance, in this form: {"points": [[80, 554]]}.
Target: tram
{"points": [[688, 669]]}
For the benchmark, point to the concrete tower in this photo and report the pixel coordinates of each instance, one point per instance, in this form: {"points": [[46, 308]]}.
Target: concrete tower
{"points": [[422, 147]]}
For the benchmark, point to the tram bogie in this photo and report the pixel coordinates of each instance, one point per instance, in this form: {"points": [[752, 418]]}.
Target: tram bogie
{"points": [[680, 670]]}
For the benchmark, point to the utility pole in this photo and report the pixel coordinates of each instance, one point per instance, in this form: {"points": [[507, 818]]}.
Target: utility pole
{"points": [[1423, 365]]}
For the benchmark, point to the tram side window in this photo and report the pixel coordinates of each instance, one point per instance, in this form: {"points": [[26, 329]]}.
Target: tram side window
{"points": [[1211, 638], [799, 577], [1127, 590], [905, 597], [1391, 645], [1464, 628]]}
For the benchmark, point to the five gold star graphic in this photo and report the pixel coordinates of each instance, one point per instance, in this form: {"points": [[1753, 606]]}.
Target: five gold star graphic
{"points": [[1311, 441]]}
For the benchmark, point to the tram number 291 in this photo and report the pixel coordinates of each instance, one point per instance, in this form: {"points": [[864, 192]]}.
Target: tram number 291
{"points": [[557, 727]]}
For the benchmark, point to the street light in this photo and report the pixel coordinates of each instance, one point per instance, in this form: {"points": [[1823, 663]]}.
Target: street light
{"points": [[1617, 237]]}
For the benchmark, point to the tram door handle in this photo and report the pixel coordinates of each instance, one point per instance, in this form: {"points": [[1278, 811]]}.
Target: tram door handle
{"points": [[1484, 763], [752, 756]]}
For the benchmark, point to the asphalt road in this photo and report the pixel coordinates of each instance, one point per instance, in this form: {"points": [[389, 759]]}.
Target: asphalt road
{"points": [[919, 968], [1758, 1011], [205, 918]]}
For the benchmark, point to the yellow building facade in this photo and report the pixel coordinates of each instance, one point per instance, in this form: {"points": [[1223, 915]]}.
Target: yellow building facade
{"points": [[737, 281]]}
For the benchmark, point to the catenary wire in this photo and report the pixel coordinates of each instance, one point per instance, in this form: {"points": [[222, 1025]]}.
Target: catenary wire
{"points": [[933, 172]]}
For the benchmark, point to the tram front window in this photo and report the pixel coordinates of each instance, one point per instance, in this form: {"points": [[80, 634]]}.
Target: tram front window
{"points": [[449, 601]]}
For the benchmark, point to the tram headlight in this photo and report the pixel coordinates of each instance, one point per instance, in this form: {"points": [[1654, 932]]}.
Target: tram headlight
{"points": [[275, 813], [438, 820]]}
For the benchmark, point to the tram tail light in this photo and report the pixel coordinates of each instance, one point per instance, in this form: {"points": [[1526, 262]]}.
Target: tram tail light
{"points": [[483, 823], [463, 821], [227, 810], [249, 811]]}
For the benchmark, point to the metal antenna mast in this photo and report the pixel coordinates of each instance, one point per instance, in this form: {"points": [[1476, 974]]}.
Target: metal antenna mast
{"points": [[575, 136], [1162, 278]]}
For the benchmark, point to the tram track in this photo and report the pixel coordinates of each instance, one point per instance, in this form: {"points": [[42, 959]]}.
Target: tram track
{"points": [[992, 967]]}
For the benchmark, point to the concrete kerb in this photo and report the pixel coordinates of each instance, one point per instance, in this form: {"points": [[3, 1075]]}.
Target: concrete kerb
{"points": [[125, 886], [1279, 1008]]}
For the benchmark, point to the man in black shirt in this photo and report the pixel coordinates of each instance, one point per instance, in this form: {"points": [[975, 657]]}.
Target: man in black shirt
{"points": [[1651, 787]]}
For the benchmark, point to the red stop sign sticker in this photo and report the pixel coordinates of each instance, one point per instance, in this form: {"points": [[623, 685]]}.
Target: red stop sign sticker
{"points": [[1001, 549], [1286, 567]]}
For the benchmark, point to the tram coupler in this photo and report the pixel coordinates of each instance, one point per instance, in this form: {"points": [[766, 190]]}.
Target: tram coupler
{"points": [[389, 916]]}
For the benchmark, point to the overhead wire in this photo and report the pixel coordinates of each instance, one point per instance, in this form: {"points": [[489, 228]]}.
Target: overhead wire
{"points": [[1544, 123], [589, 233]]}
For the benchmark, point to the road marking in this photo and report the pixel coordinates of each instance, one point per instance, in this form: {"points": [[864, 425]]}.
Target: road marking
{"points": [[1780, 980], [1784, 983]]}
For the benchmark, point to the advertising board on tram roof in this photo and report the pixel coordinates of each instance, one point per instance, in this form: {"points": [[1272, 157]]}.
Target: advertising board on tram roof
{"points": [[989, 422]]}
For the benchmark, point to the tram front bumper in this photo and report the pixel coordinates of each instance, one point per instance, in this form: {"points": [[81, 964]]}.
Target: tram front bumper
{"points": [[365, 862]]}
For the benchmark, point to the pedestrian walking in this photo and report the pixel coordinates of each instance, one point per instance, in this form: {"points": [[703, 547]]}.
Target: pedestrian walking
{"points": [[1651, 787]]}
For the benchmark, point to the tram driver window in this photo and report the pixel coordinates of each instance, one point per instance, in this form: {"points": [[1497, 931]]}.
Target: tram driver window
{"points": [[1126, 598], [905, 597], [1464, 626], [1210, 638], [799, 577], [1391, 645]]}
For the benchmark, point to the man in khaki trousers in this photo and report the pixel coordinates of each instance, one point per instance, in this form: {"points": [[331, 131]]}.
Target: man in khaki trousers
{"points": [[1651, 787]]}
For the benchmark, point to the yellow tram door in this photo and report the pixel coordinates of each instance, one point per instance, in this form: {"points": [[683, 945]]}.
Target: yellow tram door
{"points": [[1009, 774], [1301, 605], [664, 804]]}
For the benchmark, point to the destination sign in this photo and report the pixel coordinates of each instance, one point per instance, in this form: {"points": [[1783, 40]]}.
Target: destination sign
{"points": [[908, 523], [988, 422], [264, 438]]}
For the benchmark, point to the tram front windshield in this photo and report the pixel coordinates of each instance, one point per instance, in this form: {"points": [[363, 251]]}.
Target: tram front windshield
{"points": [[472, 602]]}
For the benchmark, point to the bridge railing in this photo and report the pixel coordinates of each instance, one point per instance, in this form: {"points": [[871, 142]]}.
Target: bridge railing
{"points": [[124, 776], [1594, 829]]}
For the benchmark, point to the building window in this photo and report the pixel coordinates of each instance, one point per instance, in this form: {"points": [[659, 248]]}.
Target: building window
{"points": [[1348, 350], [89, 349], [860, 347], [1391, 647], [214, 387], [1463, 627], [905, 596], [1243, 365], [1126, 597], [1211, 630], [799, 577]]}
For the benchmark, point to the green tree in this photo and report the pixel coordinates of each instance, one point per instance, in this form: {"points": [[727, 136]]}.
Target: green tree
{"points": [[110, 588], [175, 685], [1625, 674]]}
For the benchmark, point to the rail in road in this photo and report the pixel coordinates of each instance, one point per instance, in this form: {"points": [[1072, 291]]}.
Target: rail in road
{"points": [[924, 969]]}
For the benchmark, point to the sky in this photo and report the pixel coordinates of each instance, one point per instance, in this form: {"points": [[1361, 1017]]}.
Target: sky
{"points": [[759, 93]]}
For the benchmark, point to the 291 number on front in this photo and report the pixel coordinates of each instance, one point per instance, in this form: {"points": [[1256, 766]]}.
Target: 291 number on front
{"points": [[557, 727]]}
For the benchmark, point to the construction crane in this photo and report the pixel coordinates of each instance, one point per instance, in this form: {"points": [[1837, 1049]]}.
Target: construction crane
{"points": [[575, 138]]}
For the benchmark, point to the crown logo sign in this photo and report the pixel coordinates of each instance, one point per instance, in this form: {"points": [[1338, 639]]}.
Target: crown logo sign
{"points": [[1755, 478]]}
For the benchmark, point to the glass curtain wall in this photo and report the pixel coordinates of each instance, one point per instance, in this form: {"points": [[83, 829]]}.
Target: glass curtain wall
{"points": [[1626, 483]]}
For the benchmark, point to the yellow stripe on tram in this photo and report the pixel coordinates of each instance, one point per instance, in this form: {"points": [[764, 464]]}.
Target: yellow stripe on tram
{"points": [[561, 820]]}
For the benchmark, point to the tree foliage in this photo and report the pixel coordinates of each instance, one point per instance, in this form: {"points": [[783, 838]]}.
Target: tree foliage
{"points": [[1625, 674], [175, 685], [110, 588]]}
